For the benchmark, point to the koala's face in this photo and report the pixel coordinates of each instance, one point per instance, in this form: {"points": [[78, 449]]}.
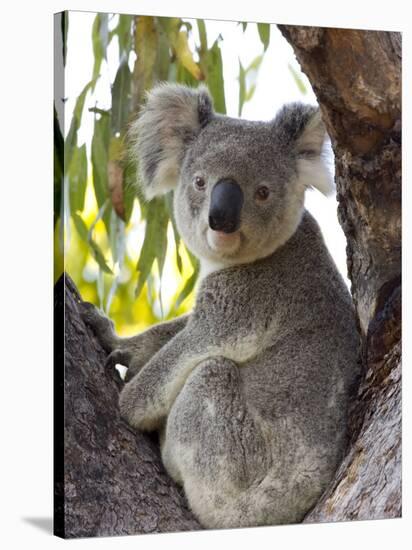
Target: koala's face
{"points": [[239, 185], [237, 197]]}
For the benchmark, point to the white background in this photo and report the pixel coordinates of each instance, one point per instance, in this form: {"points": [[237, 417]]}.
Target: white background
{"points": [[26, 88]]}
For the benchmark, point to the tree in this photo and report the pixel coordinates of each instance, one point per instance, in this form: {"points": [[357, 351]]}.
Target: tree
{"points": [[113, 479]]}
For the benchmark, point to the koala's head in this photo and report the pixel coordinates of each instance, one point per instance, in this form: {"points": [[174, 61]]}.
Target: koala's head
{"points": [[238, 185]]}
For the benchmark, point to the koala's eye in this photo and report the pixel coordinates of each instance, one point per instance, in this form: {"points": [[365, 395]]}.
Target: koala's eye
{"points": [[262, 193], [199, 183]]}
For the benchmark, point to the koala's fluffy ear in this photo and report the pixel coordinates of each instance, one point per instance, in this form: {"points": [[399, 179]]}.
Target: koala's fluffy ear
{"points": [[300, 128], [171, 118]]}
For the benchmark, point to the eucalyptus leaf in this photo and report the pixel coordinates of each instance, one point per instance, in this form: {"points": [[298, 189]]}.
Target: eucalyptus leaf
{"points": [[104, 32], [100, 41], [169, 202], [117, 238], [97, 47], [124, 34], [298, 80], [146, 42], [242, 88], [163, 56], [214, 77], [201, 27], [85, 235], [247, 81], [78, 178], [121, 97], [155, 241], [130, 188], [264, 34], [187, 289], [100, 161], [71, 138], [185, 55]]}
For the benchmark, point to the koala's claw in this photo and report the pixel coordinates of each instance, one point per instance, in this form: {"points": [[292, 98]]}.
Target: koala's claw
{"points": [[101, 325], [93, 317]]}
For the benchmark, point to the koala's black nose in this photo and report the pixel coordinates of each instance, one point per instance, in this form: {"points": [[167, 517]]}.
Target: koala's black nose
{"points": [[225, 205]]}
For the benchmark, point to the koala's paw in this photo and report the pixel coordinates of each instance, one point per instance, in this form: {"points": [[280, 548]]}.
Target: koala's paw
{"points": [[133, 408], [133, 367], [126, 357], [94, 317], [101, 325]]}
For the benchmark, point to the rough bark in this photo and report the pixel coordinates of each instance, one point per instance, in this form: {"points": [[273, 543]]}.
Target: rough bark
{"points": [[109, 479], [356, 76]]}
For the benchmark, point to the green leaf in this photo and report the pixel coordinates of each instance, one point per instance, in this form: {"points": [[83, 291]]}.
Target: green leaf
{"points": [[121, 97], [155, 241], [146, 39], [80, 226], [78, 178], [124, 34], [187, 289], [242, 88], [247, 81], [169, 202], [100, 40], [202, 35], [214, 77], [264, 34], [85, 235], [100, 161], [117, 238], [297, 78], [255, 64], [130, 188], [97, 111], [104, 32], [185, 56], [163, 55], [71, 138], [193, 260], [184, 77]]}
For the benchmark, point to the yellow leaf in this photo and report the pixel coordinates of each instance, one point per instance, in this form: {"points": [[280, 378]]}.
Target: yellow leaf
{"points": [[184, 55], [146, 42]]}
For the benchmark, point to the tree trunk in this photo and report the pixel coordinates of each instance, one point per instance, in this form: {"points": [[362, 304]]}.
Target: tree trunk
{"points": [[109, 479], [356, 76]]}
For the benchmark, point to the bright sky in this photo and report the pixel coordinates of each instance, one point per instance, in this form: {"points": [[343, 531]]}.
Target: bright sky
{"points": [[275, 86]]}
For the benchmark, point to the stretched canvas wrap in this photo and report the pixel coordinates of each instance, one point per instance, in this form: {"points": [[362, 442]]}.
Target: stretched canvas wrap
{"points": [[227, 223]]}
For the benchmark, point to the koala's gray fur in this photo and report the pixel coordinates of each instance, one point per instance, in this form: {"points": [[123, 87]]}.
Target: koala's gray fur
{"points": [[250, 391]]}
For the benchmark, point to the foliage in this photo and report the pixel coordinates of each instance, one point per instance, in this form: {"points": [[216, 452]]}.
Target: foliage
{"points": [[97, 206]]}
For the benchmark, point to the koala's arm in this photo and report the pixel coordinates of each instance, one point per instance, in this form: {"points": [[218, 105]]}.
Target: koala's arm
{"points": [[134, 351], [146, 400]]}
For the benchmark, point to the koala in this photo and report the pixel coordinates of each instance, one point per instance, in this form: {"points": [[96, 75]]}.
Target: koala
{"points": [[250, 391]]}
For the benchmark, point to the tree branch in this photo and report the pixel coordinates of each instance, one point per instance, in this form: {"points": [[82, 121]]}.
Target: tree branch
{"points": [[109, 478]]}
